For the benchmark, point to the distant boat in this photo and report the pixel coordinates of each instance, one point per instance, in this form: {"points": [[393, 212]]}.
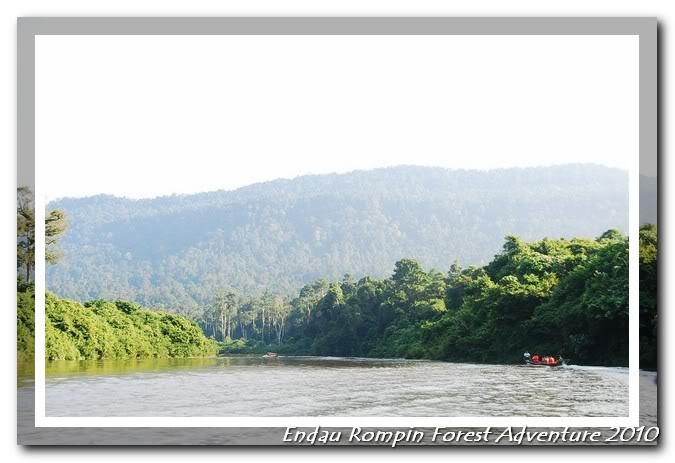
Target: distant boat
{"points": [[270, 355], [543, 360]]}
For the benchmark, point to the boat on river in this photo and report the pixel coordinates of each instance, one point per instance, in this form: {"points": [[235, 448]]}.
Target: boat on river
{"points": [[270, 355], [543, 360]]}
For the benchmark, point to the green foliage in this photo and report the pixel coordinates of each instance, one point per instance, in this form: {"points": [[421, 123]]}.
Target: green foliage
{"points": [[587, 315], [243, 346], [566, 297], [199, 255], [108, 330], [25, 323], [562, 296], [648, 296]]}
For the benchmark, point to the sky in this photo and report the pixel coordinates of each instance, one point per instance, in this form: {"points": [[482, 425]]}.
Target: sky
{"points": [[144, 116]]}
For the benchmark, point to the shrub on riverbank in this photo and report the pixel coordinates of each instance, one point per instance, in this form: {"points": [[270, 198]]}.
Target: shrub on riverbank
{"points": [[110, 330], [243, 346], [25, 324]]}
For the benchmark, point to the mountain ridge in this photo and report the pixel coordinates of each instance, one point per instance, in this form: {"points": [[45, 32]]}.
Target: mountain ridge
{"points": [[284, 180], [174, 251]]}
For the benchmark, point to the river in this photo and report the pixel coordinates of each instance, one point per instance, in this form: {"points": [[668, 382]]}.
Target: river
{"points": [[324, 386]]}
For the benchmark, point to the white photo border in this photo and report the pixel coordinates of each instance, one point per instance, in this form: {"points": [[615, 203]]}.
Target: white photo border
{"points": [[41, 420]]}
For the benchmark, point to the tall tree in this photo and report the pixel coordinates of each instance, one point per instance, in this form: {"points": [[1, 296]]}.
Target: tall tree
{"points": [[279, 310], [55, 226], [225, 306], [25, 222]]}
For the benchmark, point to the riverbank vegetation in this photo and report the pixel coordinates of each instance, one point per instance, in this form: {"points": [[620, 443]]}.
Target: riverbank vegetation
{"points": [[98, 329], [564, 297], [108, 330], [567, 297]]}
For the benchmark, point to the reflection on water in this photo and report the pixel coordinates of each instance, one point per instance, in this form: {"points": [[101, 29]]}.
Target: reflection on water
{"points": [[321, 386], [25, 373], [122, 367]]}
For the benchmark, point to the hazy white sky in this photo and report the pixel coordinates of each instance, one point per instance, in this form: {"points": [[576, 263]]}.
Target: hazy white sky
{"points": [[143, 116]]}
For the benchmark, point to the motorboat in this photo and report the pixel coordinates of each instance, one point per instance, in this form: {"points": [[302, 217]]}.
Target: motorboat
{"points": [[543, 360]]}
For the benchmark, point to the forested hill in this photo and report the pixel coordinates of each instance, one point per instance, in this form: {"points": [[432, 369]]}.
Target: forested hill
{"points": [[174, 251]]}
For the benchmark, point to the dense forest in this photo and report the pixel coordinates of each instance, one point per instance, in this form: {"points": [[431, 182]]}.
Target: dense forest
{"points": [[230, 260], [568, 297], [107, 330], [176, 252]]}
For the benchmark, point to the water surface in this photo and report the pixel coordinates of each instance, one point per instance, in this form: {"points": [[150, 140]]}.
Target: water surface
{"points": [[325, 386]]}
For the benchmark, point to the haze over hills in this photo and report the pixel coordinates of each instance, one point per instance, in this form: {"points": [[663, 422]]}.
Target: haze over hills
{"points": [[174, 251]]}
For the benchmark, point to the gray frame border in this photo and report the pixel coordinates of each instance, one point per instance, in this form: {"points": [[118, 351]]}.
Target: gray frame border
{"points": [[29, 27]]}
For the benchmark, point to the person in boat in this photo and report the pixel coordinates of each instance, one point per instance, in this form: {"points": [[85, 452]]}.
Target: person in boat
{"points": [[537, 359]]}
